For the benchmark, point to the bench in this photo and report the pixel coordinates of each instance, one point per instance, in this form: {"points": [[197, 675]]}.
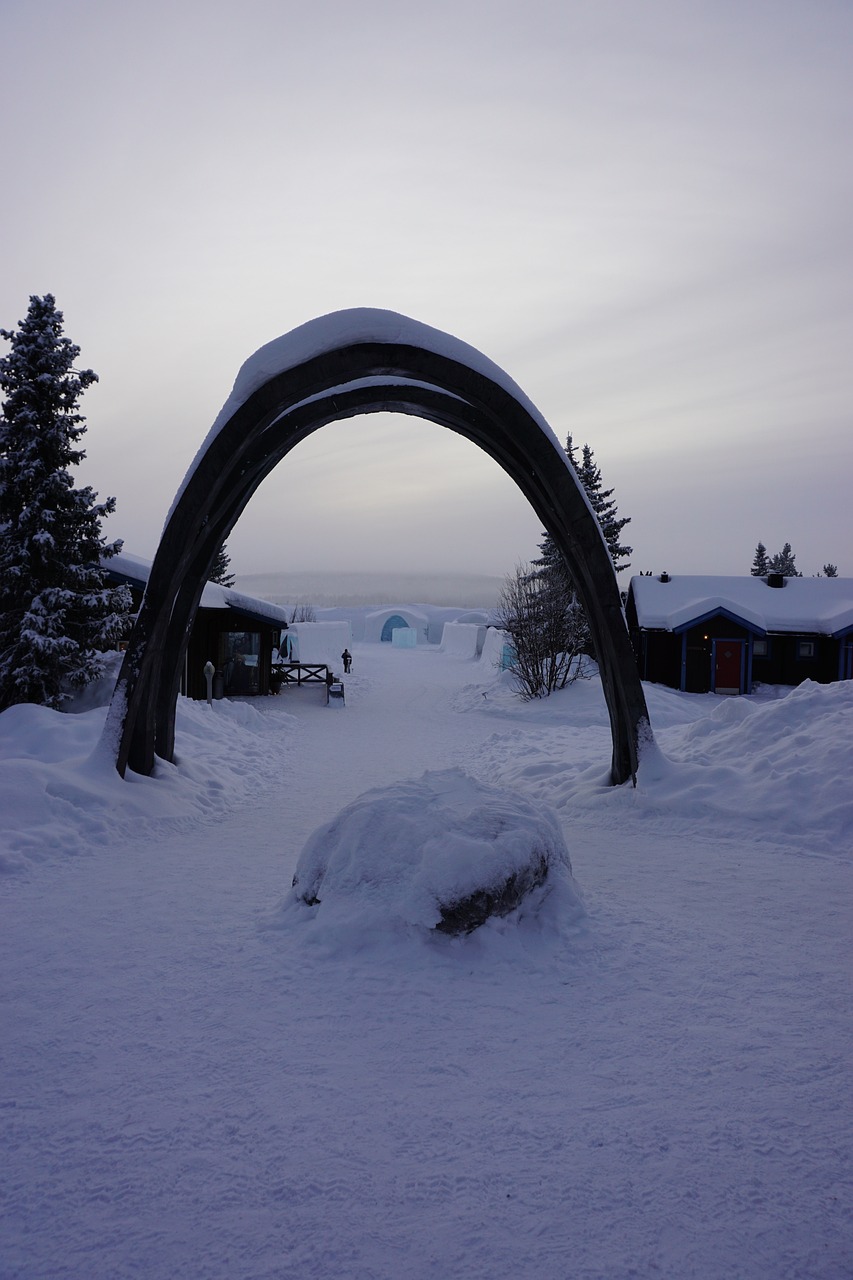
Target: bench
{"points": [[335, 692]]}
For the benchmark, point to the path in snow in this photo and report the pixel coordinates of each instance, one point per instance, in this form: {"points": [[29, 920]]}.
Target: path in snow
{"points": [[661, 1092]]}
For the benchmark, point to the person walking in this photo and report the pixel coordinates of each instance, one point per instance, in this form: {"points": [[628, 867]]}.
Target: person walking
{"points": [[346, 659]]}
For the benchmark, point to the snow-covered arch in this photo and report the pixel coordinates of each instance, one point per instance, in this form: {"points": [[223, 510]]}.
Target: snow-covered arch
{"points": [[335, 367]]}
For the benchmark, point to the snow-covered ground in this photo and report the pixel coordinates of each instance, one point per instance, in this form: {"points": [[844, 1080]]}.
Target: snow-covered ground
{"points": [[200, 1080]]}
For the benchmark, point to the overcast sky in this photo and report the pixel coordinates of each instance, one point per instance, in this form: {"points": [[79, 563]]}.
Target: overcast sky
{"points": [[641, 211]]}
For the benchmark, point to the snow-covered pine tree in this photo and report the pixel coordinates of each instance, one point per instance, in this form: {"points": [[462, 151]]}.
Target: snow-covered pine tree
{"points": [[220, 573], [604, 507], [601, 501], [784, 562], [57, 616], [760, 562], [830, 570]]}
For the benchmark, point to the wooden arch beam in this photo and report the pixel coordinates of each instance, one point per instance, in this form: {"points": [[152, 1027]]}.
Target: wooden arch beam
{"points": [[257, 430]]}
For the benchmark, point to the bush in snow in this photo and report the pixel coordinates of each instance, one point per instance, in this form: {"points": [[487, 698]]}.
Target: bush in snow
{"points": [[540, 607], [57, 616], [444, 852], [547, 629]]}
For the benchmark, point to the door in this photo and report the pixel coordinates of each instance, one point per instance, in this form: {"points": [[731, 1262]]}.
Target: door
{"points": [[728, 666]]}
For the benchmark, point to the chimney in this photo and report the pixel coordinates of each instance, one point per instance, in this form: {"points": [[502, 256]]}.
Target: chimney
{"points": [[664, 577], [775, 579]]}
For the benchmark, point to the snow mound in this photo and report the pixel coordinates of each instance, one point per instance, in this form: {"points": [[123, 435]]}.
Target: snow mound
{"points": [[60, 794], [772, 767], [443, 852], [783, 764]]}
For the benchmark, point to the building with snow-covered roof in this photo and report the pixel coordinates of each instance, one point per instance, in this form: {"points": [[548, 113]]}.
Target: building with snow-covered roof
{"points": [[724, 634], [236, 632]]}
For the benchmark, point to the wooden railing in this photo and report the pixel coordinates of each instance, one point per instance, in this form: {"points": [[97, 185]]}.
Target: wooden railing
{"points": [[301, 672]]}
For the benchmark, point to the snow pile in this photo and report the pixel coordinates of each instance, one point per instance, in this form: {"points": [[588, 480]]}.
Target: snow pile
{"points": [[782, 763], [773, 766], [460, 639], [413, 853], [60, 793]]}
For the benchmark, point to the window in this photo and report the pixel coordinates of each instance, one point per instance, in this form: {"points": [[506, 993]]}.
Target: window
{"points": [[759, 649], [238, 660], [805, 648]]}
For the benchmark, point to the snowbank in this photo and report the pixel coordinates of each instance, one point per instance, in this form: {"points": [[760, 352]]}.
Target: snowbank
{"points": [[60, 793], [782, 764]]}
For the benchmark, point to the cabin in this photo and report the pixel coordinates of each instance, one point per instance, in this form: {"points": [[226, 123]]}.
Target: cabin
{"points": [[727, 634], [233, 631]]}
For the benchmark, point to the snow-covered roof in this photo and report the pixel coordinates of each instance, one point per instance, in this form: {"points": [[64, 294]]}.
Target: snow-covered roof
{"points": [[136, 571], [822, 606]]}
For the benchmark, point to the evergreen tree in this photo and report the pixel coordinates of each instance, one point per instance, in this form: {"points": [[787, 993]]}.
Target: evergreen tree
{"points": [[220, 573], [603, 506], [784, 562], [760, 563], [57, 616], [601, 501], [830, 570]]}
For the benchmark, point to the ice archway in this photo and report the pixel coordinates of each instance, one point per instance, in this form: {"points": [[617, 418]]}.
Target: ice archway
{"points": [[388, 630], [339, 366]]}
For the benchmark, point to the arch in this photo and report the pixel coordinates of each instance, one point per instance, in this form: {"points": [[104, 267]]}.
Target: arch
{"points": [[376, 622], [390, 623], [335, 367]]}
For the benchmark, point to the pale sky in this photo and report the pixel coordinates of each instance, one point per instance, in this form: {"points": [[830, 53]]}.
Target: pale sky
{"points": [[641, 211]]}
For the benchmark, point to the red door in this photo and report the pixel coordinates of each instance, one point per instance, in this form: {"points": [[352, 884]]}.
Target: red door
{"points": [[728, 663]]}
